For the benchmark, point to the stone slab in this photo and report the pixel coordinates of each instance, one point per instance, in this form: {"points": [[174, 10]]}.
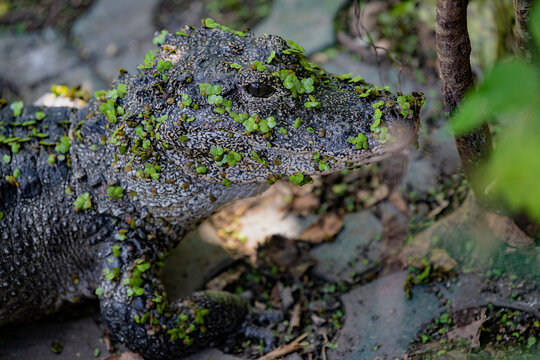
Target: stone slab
{"points": [[355, 249], [116, 34], [195, 261], [381, 321], [308, 22], [79, 338]]}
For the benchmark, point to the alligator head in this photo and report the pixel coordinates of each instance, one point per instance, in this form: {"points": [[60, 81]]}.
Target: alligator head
{"points": [[220, 114]]}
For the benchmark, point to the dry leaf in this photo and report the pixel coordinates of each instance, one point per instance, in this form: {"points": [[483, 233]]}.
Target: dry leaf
{"points": [[323, 229], [470, 332], [123, 356], [505, 227], [295, 317], [306, 204], [222, 280], [285, 349], [441, 260], [379, 194]]}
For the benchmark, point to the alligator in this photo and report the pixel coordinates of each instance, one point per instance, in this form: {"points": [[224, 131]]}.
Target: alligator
{"points": [[92, 200]]}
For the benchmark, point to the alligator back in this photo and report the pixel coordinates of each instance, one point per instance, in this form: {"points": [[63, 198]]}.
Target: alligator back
{"points": [[47, 254]]}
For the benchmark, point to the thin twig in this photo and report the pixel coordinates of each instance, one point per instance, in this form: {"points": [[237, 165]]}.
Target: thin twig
{"points": [[285, 349]]}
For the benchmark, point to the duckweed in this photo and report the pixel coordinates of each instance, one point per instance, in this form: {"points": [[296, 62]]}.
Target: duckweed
{"points": [[293, 48], [63, 146], [17, 108], [40, 115], [149, 59], [210, 23], [83, 202], [299, 179], [160, 39], [115, 192], [271, 57], [360, 141], [257, 158]]}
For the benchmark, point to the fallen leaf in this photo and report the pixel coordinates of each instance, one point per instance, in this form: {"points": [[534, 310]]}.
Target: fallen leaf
{"points": [[470, 332], [379, 194], [295, 317], [286, 254], [222, 280], [283, 350], [323, 229], [123, 356], [508, 230], [441, 261], [305, 204]]}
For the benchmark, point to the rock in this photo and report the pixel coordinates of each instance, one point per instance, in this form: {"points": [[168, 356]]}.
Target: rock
{"points": [[213, 354], [437, 158], [116, 34], [196, 260], [381, 321], [308, 22], [78, 337], [35, 61], [355, 250], [269, 215]]}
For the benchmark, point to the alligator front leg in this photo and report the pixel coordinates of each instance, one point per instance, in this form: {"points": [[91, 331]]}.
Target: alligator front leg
{"points": [[137, 310]]}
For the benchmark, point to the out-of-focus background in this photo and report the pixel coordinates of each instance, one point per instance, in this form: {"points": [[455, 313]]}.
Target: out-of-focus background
{"points": [[342, 283]]}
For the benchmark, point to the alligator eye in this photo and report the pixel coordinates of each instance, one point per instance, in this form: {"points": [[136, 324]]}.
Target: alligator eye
{"points": [[259, 89]]}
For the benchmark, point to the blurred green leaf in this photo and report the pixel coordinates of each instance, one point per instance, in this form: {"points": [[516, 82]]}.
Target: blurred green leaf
{"points": [[509, 98], [534, 21], [506, 91]]}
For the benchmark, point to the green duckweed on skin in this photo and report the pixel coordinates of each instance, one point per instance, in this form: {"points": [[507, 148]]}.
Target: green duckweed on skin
{"points": [[83, 202], [17, 108]]}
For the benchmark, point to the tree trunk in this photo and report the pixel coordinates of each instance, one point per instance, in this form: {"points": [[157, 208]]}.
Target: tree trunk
{"points": [[521, 30], [453, 51]]}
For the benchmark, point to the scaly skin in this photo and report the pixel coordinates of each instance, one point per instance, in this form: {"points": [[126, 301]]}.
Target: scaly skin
{"points": [[176, 163]]}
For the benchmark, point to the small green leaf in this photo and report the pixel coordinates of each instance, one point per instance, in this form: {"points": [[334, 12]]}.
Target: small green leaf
{"points": [[355, 79], [360, 141], [40, 115], [16, 107], [271, 57], [51, 159], [345, 76], [115, 192], [116, 251], [64, 145], [201, 169], [15, 147], [232, 158], [83, 202], [160, 39], [235, 66]]}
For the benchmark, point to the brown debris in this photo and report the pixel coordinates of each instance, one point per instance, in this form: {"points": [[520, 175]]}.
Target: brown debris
{"points": [[470, 332], [123, 356], [295, 345], [323, 229]]}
